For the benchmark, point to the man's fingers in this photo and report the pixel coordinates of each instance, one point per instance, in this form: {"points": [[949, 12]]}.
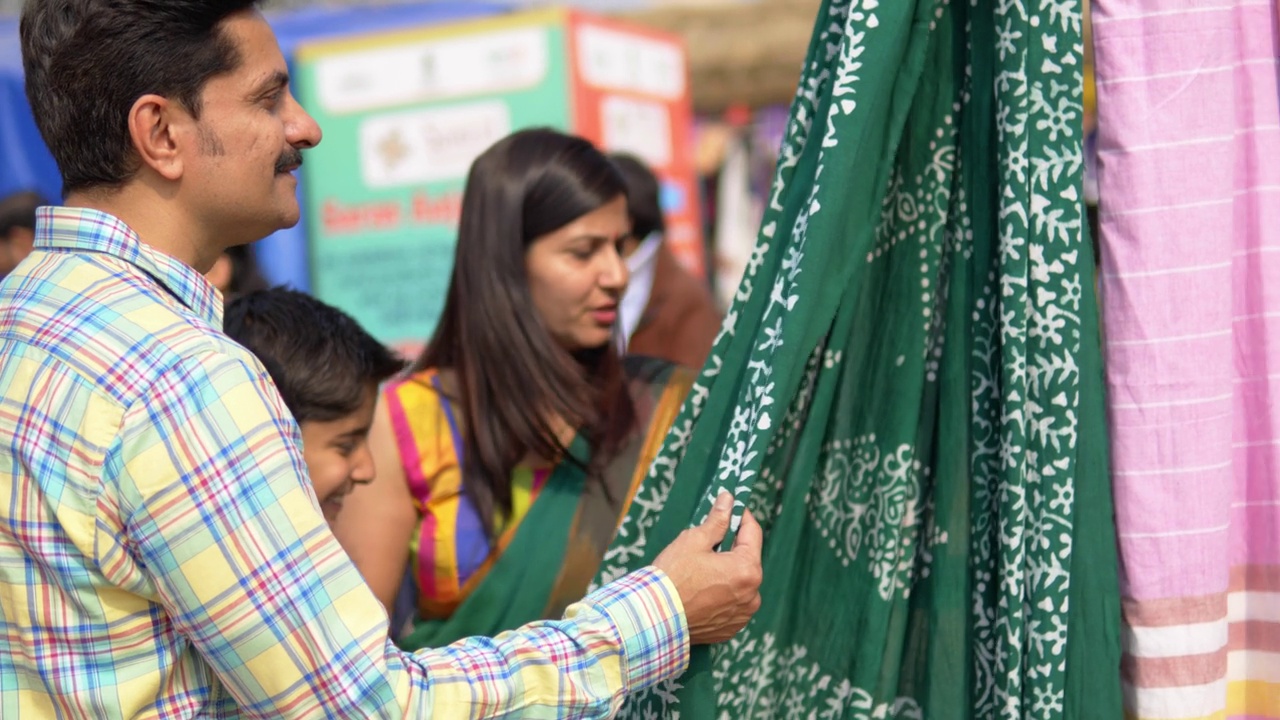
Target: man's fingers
{"points": [[717, 522], [750, 536]]}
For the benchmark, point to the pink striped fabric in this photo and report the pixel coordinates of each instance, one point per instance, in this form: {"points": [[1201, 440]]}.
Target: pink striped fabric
{"points": [[1189, 176]]}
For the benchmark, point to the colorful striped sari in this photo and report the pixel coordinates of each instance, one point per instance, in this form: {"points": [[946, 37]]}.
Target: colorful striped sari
{"points": [[460, 582]]}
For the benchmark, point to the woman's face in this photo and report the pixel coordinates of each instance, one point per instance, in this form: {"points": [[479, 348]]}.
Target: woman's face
{"points": [[577, 276]]}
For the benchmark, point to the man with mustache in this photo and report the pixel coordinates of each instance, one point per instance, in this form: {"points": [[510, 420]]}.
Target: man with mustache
{"points": [[162, 554]]}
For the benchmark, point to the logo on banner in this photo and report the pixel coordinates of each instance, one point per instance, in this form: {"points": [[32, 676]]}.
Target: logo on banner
{"points": [[430, 145]]}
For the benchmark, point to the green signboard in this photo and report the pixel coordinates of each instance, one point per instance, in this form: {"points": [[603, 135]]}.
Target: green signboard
{"points": [[404, 114]]}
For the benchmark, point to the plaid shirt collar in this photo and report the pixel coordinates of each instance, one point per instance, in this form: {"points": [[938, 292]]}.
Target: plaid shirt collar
{"points": [[61, 229]]}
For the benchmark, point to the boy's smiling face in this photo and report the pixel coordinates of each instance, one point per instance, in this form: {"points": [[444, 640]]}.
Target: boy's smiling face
{"points": [[337, 454]]}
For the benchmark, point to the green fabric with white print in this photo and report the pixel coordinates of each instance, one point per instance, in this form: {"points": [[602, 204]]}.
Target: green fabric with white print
{"points": [[907, 392]]}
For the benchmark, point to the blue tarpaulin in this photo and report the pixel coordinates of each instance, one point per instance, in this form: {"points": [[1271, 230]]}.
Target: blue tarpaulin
{"points": [[25, 162]]}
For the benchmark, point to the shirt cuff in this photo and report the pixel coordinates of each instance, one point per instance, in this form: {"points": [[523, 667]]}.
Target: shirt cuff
{"points": [[646, 610]]}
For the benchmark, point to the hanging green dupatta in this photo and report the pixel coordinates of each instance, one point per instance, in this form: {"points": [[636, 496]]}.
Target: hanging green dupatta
{"points": [[558, 545], [908, 393]]}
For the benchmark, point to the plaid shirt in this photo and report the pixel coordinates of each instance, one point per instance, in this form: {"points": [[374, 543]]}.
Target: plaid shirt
{"points": [[162, 554]]}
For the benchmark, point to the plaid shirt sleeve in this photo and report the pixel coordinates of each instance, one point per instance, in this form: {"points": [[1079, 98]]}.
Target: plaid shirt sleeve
{"points": [[216, 507]]}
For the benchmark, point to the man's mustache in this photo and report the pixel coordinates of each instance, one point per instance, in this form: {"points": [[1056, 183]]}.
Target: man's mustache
{"points": [[289, 160]]}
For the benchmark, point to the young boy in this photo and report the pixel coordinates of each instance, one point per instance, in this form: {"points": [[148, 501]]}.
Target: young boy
{"points": [[327, 369]]}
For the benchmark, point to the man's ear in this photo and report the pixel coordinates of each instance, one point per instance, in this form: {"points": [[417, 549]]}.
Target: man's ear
{"points": [[160, 130]]}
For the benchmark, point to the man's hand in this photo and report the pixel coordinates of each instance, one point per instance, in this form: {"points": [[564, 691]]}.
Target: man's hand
{"points": [[720, 590]]}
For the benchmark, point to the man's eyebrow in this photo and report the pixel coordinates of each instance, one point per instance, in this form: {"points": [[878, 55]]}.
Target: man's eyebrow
{"points": [[271, 83]]}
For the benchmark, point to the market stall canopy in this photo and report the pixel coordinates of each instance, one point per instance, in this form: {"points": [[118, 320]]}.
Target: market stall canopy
{"points": [[740, 53]]}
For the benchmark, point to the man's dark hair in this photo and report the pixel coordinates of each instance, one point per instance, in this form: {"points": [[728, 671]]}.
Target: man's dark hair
{"points": [[88, 61], [19, 211], [320, 358], [643, 196]]}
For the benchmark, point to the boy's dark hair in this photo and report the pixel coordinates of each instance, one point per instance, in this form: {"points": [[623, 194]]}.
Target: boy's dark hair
{"points": [[87, 61], [19, 211], [320, 358], [644, 194]]}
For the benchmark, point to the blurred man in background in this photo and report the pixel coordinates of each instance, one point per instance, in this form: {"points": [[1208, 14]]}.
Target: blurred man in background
{"points": [[666, 312]]}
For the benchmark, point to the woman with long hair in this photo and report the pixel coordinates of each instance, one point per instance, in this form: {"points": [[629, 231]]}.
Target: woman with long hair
{"points": [[507, 456]]}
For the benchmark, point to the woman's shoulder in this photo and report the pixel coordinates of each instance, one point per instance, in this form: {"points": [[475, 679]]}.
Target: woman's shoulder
{"points": [[643, 368], [414, 399], [423, 423], [410, 379], [656, 373], [430, 383]]}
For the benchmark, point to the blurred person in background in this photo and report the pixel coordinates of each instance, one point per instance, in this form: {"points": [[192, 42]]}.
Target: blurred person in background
{"points": [[508, 456], [17, 228], [235, 273], [666, 312]]}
